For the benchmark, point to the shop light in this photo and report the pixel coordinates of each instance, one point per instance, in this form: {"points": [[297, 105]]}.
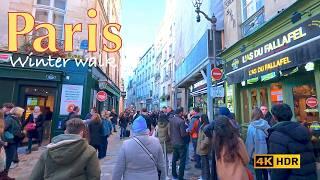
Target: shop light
{"points": [[243, 83], [253, 80], [268, 76], [309, 66]]}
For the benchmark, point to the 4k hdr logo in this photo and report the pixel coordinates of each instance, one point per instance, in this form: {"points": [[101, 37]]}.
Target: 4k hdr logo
{"points": [[281, 161]]}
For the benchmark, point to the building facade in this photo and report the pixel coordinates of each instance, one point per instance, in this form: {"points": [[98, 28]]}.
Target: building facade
{"points": [[272, 56], [58, 89]]}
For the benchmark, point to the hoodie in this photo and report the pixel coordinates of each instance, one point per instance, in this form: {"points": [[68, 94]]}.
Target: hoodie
{"points": [[67, 157], [257, 134], [288, 137]]}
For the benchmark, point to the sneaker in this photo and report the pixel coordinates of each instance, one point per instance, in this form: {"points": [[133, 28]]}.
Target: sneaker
{"points": [[13, 165]]}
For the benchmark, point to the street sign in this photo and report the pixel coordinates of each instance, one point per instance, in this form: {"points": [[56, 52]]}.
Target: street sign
{"points": [[5, 57], [216, 74], [123, 94], [84, 44], [102, 96], [217, 92], [312, 102]]}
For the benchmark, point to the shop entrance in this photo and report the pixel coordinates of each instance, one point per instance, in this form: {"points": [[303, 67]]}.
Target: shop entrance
{"points": [[44, 97]]}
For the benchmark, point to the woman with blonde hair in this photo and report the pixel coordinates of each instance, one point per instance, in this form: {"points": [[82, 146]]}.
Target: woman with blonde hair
{"points": [[107, 129], [96, 133], [13, 134]]}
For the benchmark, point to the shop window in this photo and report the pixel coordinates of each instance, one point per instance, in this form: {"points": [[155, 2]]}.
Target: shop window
{"points": [[44, 2], [304, 111], [254, 100], [276, 93], [264, 97], [245, 107]]}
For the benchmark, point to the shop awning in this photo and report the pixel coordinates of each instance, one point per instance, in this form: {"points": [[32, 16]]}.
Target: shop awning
{"points": [[293, 48]]}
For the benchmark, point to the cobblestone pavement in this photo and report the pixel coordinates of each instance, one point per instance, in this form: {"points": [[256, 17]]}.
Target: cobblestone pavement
{"points": [[27, 162]]}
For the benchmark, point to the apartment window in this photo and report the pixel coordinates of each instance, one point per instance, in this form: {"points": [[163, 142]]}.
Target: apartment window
{"points": [[252, 15], [50, 11]]}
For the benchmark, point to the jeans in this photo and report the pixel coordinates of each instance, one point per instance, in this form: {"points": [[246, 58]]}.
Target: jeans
{"points": [[11, 152], [99, 149], [205, 169], [104, 147], [123, 132], [197, 158], [179, 152], [261, 174], [114, 127]]}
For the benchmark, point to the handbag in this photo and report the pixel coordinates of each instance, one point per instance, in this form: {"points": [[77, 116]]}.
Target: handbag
{"points": [[31, 126], [149, 153]]}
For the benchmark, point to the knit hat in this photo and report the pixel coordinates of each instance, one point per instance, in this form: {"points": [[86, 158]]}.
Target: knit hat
{"points": [[224, 111], [139, 125]]}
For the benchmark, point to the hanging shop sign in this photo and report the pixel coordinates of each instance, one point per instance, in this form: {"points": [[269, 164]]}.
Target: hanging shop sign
{"points": [[102, 96], [295, 47], [312, 102], [5, 57], [216, 74]]}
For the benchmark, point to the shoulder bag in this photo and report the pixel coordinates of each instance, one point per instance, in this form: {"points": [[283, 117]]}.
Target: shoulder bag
{"points": [[149, 153]]}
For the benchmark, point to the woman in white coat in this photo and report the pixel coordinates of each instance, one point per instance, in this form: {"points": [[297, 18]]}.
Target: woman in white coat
{"points": [[141, 156]]}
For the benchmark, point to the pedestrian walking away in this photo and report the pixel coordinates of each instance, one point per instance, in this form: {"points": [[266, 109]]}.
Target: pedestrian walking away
{"points": [[96, 134], [231, 154], [178, 134], [203, 148], [114, 119], [107, 131], [68, 156], [256, 142], [289, 137], [141, 156]]}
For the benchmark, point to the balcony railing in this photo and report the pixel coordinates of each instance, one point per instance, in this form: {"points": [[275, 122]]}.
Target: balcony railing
{"points": [[253, 22]]}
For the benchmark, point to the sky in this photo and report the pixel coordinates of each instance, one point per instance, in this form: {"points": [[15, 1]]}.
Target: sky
{"points": [[140, 21]]}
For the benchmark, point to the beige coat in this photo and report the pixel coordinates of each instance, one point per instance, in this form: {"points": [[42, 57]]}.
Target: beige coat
{"points": [[234, 170], [203, 143]]}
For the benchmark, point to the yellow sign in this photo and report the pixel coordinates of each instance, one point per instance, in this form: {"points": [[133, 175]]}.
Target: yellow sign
{"points": [[269, 66], [277, 161]]}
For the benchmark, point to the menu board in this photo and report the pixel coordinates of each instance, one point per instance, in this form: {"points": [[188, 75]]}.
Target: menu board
{"points": [[71, 96]]}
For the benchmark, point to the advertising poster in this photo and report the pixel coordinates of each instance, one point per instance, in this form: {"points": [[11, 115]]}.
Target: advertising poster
{"points": [[71, 96]]}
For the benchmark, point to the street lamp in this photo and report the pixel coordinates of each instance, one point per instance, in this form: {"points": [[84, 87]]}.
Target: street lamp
{"points": [[197, 4]]}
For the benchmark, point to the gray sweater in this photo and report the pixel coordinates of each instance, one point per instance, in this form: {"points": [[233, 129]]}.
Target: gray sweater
{"points": [[134, 163]]}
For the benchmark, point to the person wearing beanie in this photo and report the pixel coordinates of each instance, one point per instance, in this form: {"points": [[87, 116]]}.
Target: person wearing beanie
{"points": [[289, 137], [134, 159]]}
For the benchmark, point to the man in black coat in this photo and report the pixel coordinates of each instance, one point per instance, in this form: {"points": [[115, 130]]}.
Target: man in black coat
{"points": [[289, 137]]}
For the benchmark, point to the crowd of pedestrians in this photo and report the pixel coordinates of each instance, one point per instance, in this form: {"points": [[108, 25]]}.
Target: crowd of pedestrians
{"points": [[219, 150]]}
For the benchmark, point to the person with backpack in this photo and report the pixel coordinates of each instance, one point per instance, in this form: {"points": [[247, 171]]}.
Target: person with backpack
{"points": [[256, 142], [107, 130], [13, 134], [193, 129], [290, 137]]}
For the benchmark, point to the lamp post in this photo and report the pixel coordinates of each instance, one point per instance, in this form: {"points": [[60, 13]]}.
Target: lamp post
{"points": [[197, 4]]}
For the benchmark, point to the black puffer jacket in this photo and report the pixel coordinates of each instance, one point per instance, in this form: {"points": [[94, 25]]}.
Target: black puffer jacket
{"points": [[289, 137]]}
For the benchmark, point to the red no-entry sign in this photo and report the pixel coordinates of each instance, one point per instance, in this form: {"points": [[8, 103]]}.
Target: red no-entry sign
{"points": [[312, 102], [216, 74], [102, 96]]}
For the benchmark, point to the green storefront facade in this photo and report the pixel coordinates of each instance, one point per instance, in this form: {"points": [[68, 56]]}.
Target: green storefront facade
{"points": [[55, 88], [278, 63]]}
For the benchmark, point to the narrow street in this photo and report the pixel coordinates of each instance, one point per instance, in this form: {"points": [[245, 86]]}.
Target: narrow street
{"points": [[27, 162]]}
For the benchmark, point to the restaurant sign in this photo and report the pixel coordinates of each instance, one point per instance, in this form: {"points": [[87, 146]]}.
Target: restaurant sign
{"points": [[297, 46]]}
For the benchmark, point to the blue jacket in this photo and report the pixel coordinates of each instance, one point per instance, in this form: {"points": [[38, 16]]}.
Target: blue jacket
{"points": [[257, 135]]}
